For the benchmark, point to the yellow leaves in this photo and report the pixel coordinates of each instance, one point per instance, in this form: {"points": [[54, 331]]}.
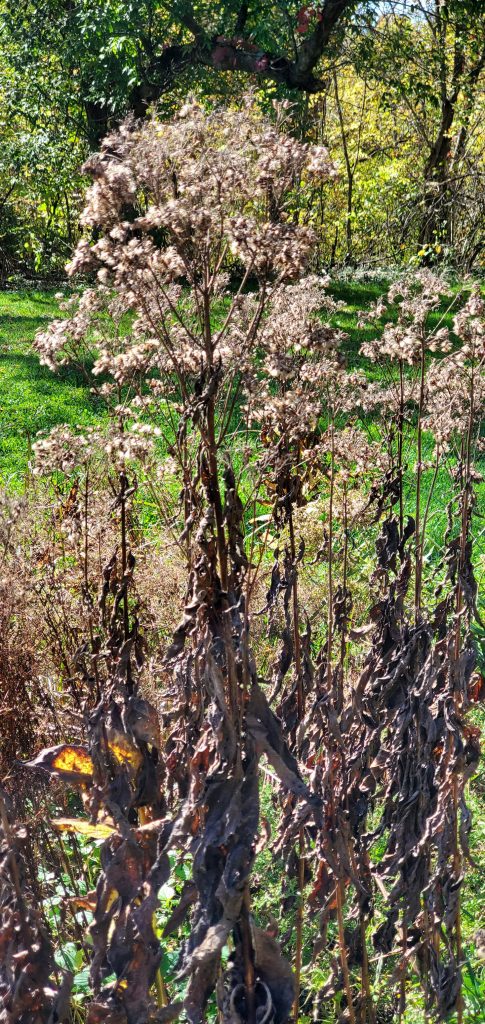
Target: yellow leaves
{"points": [[103, 829], [80, 827], [73, 759], [73, 763], [70, 763], [124, 751]]}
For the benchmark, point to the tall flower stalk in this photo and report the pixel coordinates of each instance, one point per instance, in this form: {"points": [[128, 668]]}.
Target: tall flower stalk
{"points": [[171, 204]]}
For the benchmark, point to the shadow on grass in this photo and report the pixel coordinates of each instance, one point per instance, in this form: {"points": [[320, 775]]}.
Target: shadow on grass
{"points": [[30, 369], [22, 328], [358, 295]]}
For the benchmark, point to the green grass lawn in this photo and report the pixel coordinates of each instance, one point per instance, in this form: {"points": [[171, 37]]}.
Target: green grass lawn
{"points": [[32, 398]]}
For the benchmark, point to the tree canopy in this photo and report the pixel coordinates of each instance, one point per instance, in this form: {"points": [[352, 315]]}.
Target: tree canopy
{"points": [[70, 72]]}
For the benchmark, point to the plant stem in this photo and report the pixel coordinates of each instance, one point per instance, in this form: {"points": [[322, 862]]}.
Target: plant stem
{"points": [[330, 559], [403, 971], [419, 545], [339, 893], [457, 865], [247, 950], [124, 554], [163, 997], [400, 428], [300, 714], [343, 638], [367, 1003]]}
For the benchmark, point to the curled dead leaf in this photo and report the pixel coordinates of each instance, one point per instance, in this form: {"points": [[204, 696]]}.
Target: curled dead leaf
{"points": [[68, 762]]}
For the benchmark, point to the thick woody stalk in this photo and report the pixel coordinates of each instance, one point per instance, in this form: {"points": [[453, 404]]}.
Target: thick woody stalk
{"points": [[339, 887], [457, 858], [419, 471], [300, 714]]}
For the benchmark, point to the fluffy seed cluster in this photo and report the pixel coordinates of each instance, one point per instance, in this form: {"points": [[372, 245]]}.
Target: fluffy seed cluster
{"points": [[455, 385], [416, 296], [182, 217]]}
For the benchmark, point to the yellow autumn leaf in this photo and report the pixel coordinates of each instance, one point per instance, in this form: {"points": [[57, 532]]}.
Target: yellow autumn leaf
{"points": [[73, 759], [73, 763], [124, 751], [84, 828]]}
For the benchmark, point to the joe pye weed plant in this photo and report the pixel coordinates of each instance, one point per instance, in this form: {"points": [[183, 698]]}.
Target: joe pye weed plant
{"points": [[230, 405]]}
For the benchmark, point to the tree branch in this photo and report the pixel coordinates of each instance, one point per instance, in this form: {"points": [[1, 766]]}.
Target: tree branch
{"points": [[316, 42], [241, 19], [189, 21], [235, 54]]}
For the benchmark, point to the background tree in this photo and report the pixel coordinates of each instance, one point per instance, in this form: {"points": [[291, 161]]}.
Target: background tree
{"points": [[431, 55], [395, 90], [124, 57]]}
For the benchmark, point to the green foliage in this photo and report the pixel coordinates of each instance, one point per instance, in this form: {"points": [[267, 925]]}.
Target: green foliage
{"points": [[68, 73]]}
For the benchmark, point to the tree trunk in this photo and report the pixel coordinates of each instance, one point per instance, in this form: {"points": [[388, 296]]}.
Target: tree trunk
{"points": [[97, 122], [435, 225]]}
